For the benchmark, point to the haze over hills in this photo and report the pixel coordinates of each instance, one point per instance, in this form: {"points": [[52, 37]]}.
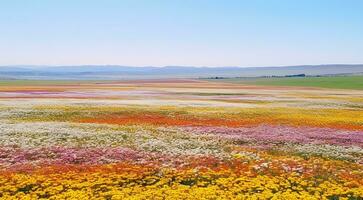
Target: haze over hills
{"points": [[110, 72]]}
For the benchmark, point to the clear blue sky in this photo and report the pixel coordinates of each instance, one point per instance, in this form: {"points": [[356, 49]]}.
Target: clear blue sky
{"points": [[181, 32]]}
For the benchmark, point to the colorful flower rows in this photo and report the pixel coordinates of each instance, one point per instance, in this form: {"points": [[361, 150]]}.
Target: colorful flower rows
{"points": [[179, 140]]}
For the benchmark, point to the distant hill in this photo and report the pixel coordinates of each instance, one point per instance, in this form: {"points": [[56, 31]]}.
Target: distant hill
{"points": [[127, 72]]}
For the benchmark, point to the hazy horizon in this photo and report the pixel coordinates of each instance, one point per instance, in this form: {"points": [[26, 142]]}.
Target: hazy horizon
{"points": [[121, 65], [181, 33]]}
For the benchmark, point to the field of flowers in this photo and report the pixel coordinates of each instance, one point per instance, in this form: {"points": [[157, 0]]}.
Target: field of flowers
{"points": [[179, 139]]}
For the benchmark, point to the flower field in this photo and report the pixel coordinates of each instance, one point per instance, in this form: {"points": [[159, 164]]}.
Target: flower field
{"points": [[179, 139]]}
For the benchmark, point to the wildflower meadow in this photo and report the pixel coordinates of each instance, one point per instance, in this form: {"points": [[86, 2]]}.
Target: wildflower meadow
{"points": [[179, 139]]}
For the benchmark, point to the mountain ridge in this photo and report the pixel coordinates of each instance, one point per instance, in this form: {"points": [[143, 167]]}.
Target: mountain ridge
{"points": [[130, 72]]}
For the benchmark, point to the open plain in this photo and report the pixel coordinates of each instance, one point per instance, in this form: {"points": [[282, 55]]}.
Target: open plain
{"points": [[179, 139]]}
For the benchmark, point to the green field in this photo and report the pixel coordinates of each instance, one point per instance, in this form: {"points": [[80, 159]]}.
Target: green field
{"points": [[339, 82]]}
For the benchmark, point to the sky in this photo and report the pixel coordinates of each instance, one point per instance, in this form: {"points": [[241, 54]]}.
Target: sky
{"points": [[246, 33]]}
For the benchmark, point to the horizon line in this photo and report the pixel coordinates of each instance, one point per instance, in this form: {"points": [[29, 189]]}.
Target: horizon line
{"points": [[134, 66]]}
